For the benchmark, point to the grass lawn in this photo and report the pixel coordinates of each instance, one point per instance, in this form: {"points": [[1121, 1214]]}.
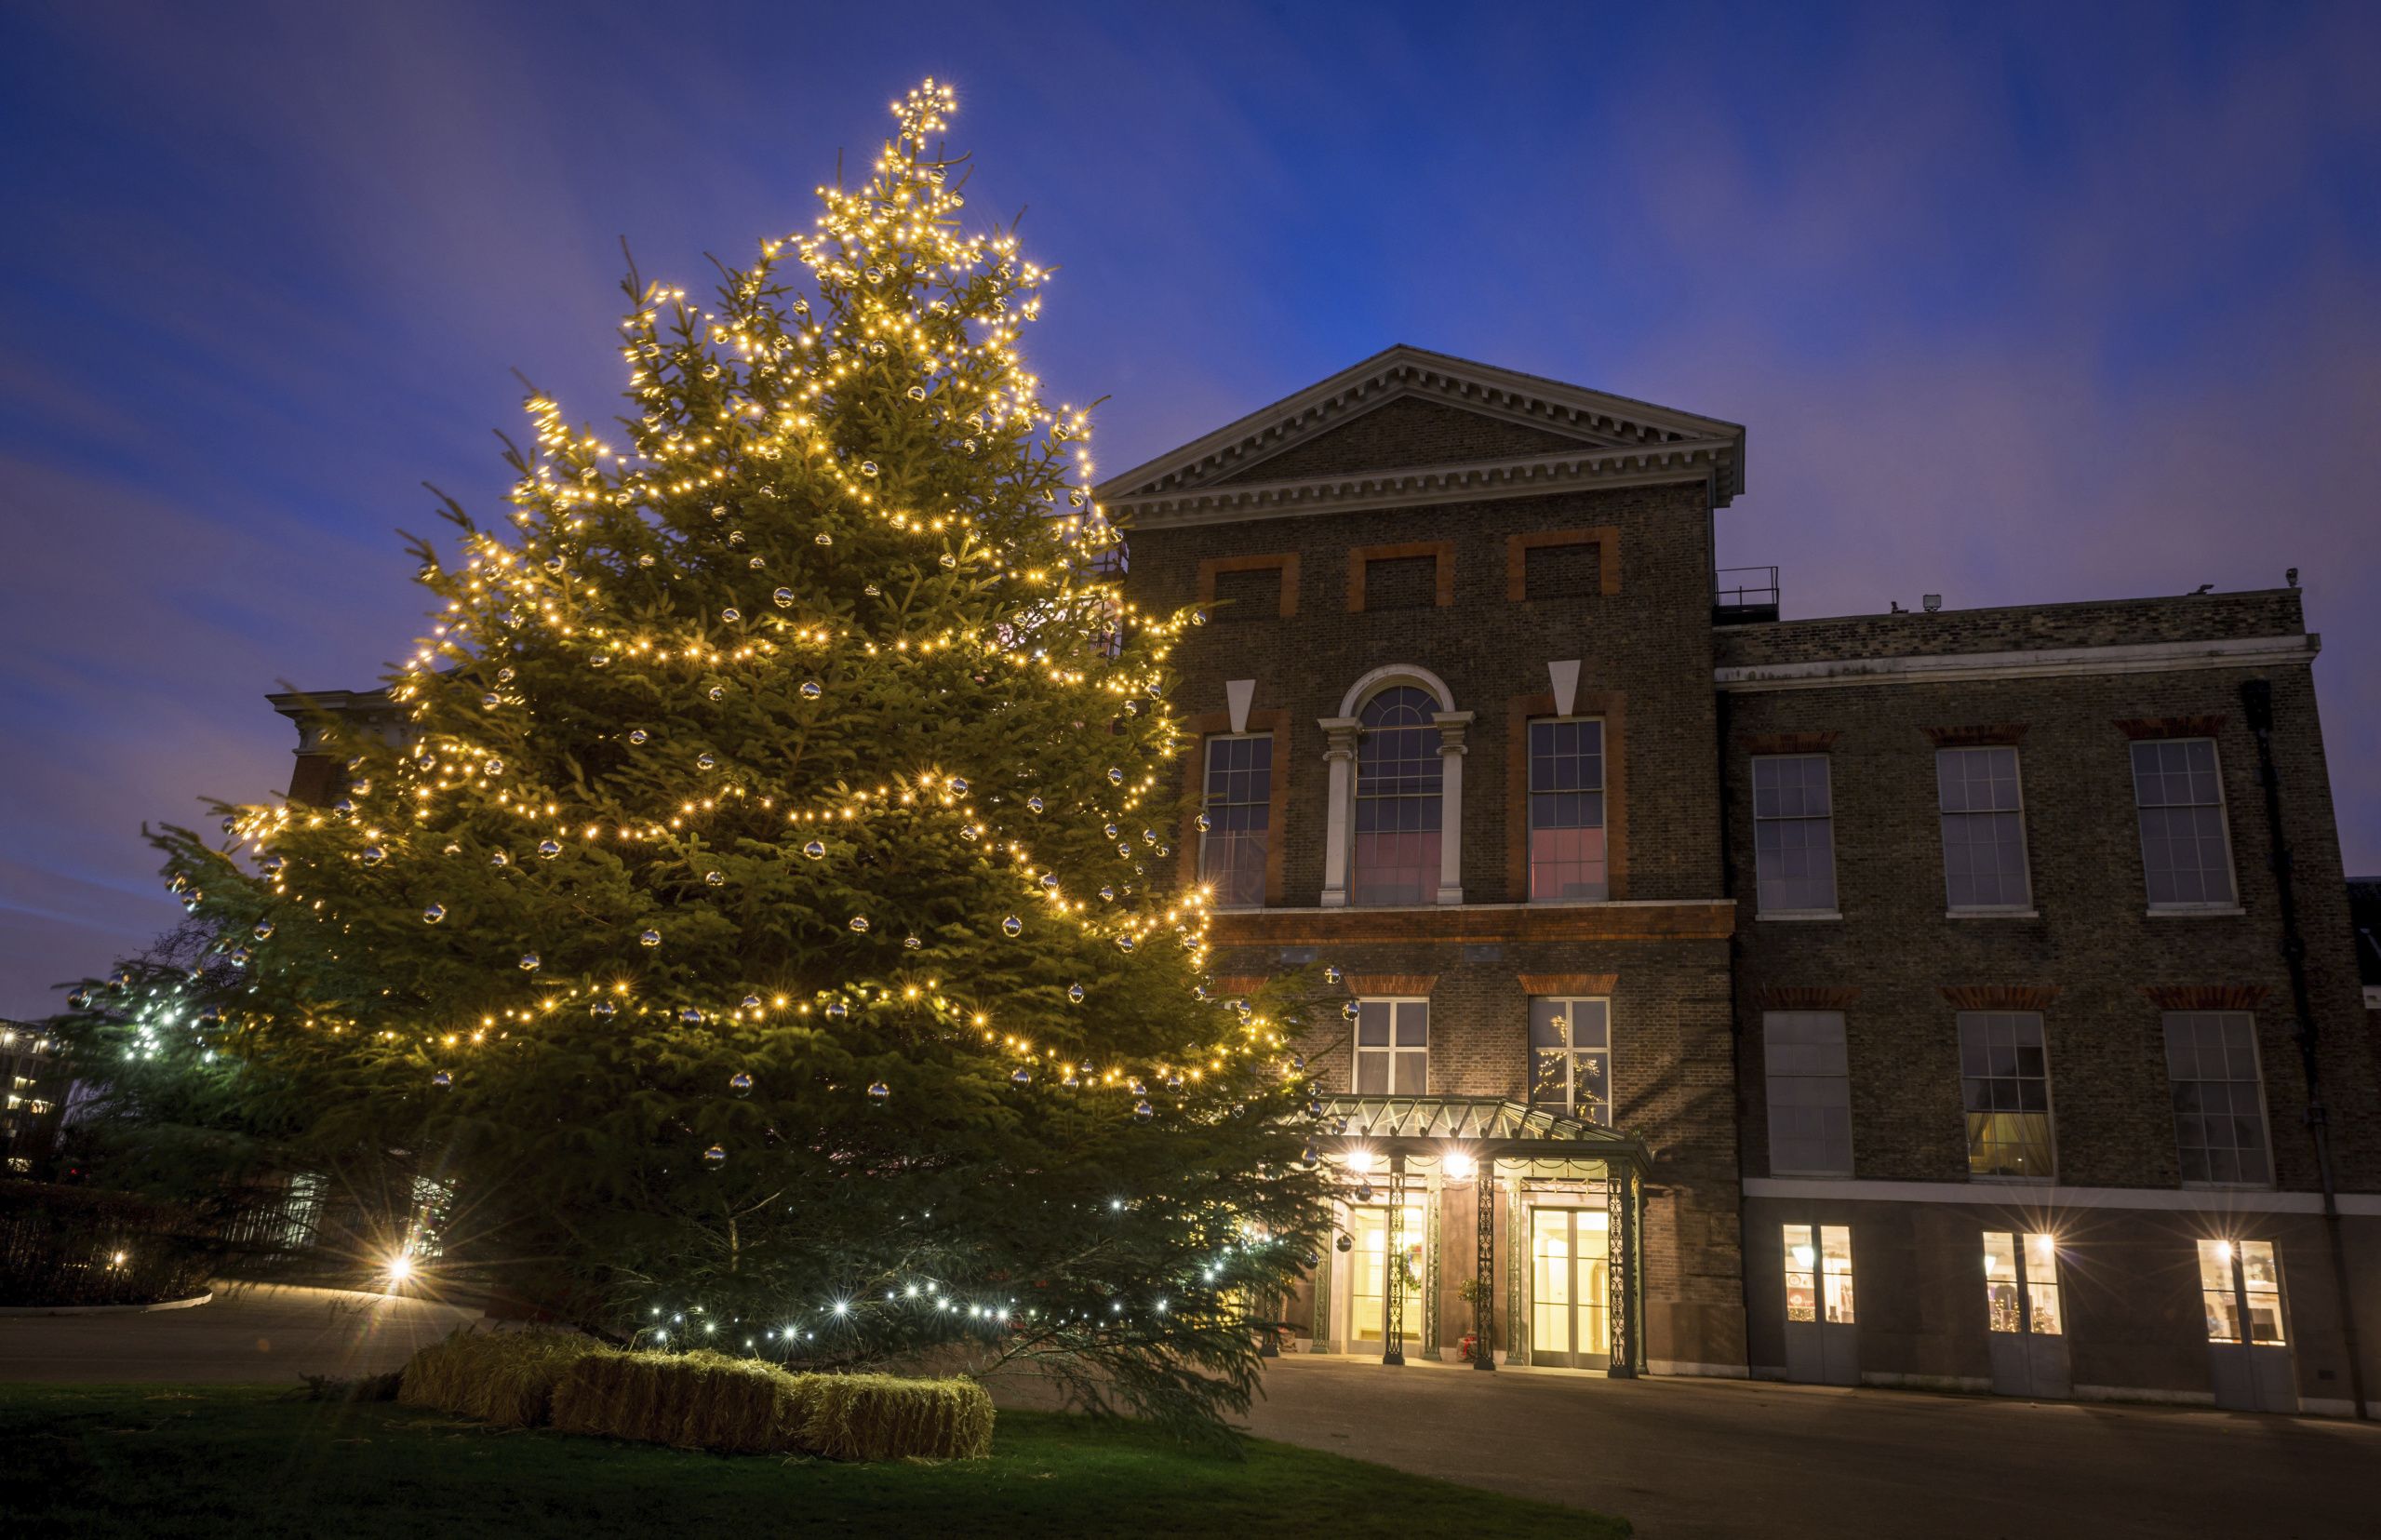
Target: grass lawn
{"points": [[251, 1462]]}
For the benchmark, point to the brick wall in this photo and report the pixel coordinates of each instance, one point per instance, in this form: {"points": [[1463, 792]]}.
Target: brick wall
{"points": [[2093, 942], [2096, 622]]}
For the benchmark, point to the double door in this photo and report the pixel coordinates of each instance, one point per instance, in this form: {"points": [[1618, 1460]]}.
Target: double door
{"points": [[2248, 1339], [1822, 1326], [2027, 1317], [1370, 1258], [1571, 1288]]}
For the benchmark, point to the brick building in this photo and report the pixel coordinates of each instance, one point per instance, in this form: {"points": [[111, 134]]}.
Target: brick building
{"points": [[1901, 999]]}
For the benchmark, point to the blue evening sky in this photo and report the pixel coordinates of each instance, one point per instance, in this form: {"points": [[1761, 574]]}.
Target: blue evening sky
{"points": [[2019, 302]]}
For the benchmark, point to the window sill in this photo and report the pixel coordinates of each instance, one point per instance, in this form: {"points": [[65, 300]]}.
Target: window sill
{"points": [[1992, 914], [2227, 1186], [1975, 1180], [1800, 914], [2193, 911]]}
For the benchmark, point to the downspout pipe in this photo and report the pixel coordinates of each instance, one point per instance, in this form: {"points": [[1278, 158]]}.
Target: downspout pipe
{"points": [[2256, 702]]}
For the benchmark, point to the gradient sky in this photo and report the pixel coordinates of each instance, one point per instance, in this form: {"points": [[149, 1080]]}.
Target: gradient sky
{"points": [[2018, 304]]}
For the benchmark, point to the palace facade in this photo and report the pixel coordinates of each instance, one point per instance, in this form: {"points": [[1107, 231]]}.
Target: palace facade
{"points": [[1950, 999]]}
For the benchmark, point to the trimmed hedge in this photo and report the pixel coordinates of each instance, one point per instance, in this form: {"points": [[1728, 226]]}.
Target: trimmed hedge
{"points": [[501, 1377], [696, 1401]]}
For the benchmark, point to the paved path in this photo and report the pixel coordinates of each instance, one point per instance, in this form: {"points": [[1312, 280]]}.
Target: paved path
{"points": [[248, 1334], [1682, 1459], [1693, 1458]]}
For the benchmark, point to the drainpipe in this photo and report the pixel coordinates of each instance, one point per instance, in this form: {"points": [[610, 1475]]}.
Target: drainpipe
{"points": [[2256, 701]]}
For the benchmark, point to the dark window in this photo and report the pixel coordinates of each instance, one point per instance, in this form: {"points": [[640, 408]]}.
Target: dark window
{"points": [[1397, 799], [1254, 595], [1239, 810], [1401, 583], [1562, 571], [2005, 1084]]}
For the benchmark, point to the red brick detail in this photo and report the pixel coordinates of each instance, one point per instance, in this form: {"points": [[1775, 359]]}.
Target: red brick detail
{"points": [[1611, 706], [2000, 996], [2170, 727], [1568, 984], [1286, 561], [1239, 984], [1974, 737], [1200, 726], [1786, 743], [1476, 922], [2206, 997], [1444, 550], [1605, 538], [1377, 985], [1806, 997]]}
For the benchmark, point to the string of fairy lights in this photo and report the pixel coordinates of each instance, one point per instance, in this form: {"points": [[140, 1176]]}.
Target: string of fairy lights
{"points": [[740, 409]]}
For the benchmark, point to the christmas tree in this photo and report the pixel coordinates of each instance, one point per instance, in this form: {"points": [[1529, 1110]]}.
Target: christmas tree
{"points": [[765, 924]]}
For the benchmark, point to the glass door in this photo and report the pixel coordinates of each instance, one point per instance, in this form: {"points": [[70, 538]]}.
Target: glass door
{"points": [[1571, 1288], [2022, 1309], [1367, 1275], [2248, 1346], [1821, 1334]]}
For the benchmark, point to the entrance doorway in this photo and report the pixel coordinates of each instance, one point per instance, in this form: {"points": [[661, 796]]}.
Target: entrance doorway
{"points": [[2248, 1346], [1822, 1332], [2027, 1321], [1571, 1288], [1367, 1275]]}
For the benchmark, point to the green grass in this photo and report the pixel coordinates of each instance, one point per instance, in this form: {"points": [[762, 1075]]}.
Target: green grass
{"points": [[250, 1461]]}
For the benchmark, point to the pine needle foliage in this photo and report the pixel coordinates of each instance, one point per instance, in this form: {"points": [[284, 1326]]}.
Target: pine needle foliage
{"points": [[771, 904]]}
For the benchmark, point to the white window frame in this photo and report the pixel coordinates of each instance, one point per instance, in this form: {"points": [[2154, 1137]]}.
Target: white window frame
{"points": [[2265, 1103], [2024, 910], [1357, 1051], [1570, 1056], [2050, 1099], [1207, 770], [1770, 1077], [2223, 819], [1530, 795], [1835, 872]]}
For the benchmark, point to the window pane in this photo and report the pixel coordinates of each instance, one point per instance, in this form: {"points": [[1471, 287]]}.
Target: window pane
{"points": [[1793, 834], [1567, 851], [2185, 849], [1809, 1093], [2000, 1280], [1835, 1263], [2261, 1276], [1802, 1274], [1984, 837], [1413, 1023], [2218, 1101], [2005, 1088], [1238, 812], [1398, 800]]}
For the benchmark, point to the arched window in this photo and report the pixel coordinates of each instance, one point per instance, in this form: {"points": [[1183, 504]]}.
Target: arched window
{"points": [[1400, 795]]}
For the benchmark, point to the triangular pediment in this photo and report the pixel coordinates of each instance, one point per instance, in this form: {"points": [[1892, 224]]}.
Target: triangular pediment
{"points": [[1407, 424]]}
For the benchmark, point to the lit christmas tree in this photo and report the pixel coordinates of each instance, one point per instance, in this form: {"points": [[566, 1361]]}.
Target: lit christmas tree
{"points": [[767, 912]]}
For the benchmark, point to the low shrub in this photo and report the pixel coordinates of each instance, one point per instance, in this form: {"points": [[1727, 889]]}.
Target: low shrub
{"points": [[693, 1400], [886, 1417], [507, 1379], [80, 1246]]}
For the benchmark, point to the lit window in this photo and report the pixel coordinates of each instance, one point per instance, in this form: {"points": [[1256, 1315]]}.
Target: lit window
{"points": [[1810, 1093], [1983, 828], [1571, 1056], [2185, 853], [1239, 810], [2219, 1103], [2021, 1286], [1794, 849], [1392, 1047], [2005, 1085], [2240, 1282], [1567, 811], [1397, 799], [1818, 1278]]}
